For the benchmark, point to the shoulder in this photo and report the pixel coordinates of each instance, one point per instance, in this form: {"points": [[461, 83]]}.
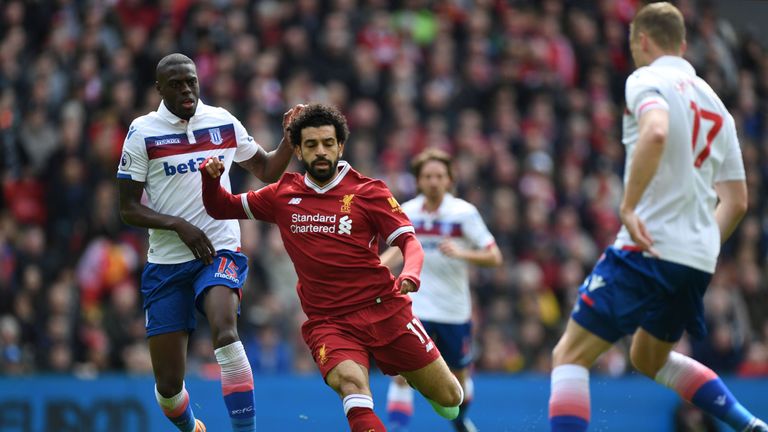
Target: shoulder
{"points": [[141, 123], [458, 205], [643, 77], [369, 186], [144, 126], [287, 181], [414, 203], [215, 113], [413, 207]]}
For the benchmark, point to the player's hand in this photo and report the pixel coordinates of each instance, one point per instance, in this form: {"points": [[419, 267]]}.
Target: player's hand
{"points": [[212, 166], [196, 241], [450, 249], [406, 285], [288, 118], [638, 232]]}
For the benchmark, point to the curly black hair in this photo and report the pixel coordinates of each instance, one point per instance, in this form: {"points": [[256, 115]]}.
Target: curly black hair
{"points": [[317, 115]]}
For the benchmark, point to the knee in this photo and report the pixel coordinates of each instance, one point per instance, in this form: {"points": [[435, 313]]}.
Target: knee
{"points": [[645, 364], [450, 395], [348, 384], [223, 332], [455, 395], [225, 337], [561, 355], [565, 353]]}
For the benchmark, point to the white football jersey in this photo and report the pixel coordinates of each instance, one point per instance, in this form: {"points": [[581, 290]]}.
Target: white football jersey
{"points": [[444, 292], [164, 151], [701, 149]]}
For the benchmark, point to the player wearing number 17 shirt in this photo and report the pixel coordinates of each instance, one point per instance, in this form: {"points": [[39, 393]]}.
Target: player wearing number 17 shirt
{"points": [[331, 220], [684, 194]]}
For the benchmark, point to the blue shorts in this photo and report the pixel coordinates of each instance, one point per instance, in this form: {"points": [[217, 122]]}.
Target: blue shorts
{"points": [[453, 340], [627, 290], [172, 292]]}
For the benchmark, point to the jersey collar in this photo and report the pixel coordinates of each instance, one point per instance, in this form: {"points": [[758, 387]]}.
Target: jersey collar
{"points": [[172, 118], [343, 168], [675, 62]]}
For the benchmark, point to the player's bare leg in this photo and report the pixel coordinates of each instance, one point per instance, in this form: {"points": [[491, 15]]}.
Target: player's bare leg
{"points": [[220, 305], [462, 423], [693, 381], [441, 388], [350, 381], [572, 357], [169, 356], [400, 402]]}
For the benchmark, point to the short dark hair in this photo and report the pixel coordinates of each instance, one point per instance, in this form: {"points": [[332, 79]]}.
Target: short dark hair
{"points": [[171, 60], [431, 154], [316, 115]]}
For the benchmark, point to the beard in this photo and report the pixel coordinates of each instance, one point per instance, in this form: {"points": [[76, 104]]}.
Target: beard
{"points": [[322, 175]]}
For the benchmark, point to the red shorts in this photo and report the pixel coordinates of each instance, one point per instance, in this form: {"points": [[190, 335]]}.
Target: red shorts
{"points": [[387, 331]]}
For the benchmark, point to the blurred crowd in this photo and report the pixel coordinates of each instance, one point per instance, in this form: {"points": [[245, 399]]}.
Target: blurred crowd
{"points": [[527, 95]]}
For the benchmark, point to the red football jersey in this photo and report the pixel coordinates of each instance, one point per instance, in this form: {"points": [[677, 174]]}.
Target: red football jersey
{"points": [[331, 234]]}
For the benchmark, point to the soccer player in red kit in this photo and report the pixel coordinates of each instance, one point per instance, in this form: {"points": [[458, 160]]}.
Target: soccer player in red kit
{"points": [[330, 220]]}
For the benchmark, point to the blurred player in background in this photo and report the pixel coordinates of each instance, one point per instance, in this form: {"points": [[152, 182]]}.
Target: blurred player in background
{"points": [[453, 235], [331, 220], [682, 157], [193, 261]]}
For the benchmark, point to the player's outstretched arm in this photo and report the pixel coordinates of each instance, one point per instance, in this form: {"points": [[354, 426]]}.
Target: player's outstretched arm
{"points": [[413, 260], [133, 212], [732, 206], [218, 202], [269, 166]]}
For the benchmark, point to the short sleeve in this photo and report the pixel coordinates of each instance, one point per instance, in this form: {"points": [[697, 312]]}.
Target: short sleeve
{"points": [[259, 205], [134, 161], [476, 231], [732, 167], [642, 94], [385, 212], [246, 145]]}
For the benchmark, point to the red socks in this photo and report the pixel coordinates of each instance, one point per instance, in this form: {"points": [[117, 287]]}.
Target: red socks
{"points": [[364, 420]]}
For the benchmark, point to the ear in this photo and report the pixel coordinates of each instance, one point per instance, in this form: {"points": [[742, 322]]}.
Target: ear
{"points": [[297, 151], [341, 149], [644, 41], [157, 86], [683, 47]]}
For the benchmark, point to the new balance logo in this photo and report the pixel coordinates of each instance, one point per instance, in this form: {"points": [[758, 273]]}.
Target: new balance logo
{"points": [[294, 201], [345, 225], [720, 400]]}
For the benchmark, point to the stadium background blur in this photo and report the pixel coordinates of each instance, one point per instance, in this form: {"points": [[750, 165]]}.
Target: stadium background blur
{"points": [[527, 95]]}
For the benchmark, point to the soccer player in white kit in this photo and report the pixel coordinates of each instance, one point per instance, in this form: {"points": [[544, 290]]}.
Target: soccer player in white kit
{"points": [[194, 261], [682, 156], [453, 236]]}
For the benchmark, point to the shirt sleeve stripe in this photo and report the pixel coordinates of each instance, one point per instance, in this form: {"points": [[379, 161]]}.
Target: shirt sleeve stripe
{"points": [[655, 103], [397, 232], [244, 199], [124, 176]]}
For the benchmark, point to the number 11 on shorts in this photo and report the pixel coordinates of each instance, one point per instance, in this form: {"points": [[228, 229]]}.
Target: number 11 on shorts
{"points": [[417, 329]]}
